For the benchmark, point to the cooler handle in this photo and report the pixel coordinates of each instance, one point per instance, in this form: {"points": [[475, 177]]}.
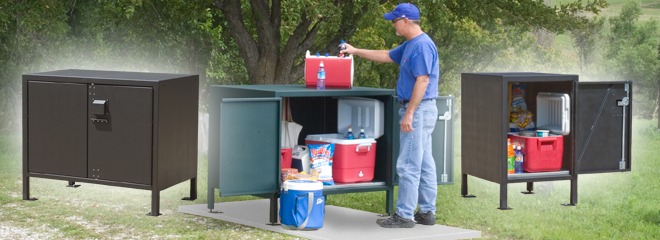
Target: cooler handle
{"points": [[310, 205], [546, 141], [360, 147]]}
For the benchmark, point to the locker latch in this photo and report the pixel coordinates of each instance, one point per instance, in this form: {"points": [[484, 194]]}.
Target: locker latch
{"points": [[623, 102]]}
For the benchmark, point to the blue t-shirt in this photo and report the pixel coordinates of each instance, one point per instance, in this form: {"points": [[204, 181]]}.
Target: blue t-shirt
{"points": [[416, 57]]}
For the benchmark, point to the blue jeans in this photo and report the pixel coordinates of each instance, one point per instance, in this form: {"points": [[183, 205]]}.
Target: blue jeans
{"points": [[415, 165]]}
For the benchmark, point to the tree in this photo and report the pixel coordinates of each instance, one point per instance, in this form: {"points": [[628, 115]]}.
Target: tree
{"points": [[585, 39], [272, 35], [632, 55]]}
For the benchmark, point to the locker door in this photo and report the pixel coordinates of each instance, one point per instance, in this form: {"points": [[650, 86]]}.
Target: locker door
{"points": [[120, 133], [57, 128], [249, 146], [443, 138], [443, 147], [603, 127]]}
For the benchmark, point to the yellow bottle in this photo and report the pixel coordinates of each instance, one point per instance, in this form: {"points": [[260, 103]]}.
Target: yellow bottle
{"points": [[510, 157]]}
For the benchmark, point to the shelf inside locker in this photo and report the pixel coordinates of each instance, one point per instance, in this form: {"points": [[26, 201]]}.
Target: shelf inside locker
{"points": [[539, 176], [354, 187]]}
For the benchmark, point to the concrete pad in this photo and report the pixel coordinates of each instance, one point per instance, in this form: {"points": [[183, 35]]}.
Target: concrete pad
{"points": [[339, 223]]}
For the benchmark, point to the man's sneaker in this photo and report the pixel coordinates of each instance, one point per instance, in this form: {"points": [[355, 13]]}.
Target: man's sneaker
{"points": [[396, 222], [427, 218]]}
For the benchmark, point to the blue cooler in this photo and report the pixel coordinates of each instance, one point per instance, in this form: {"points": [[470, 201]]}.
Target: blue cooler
{"points": [[302, 205]]}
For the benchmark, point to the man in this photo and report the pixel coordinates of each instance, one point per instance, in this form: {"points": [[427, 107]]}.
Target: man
{"points": [[417, 88]]}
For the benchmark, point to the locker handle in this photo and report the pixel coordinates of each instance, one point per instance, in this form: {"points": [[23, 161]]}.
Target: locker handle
{"points": [[99, 120]]}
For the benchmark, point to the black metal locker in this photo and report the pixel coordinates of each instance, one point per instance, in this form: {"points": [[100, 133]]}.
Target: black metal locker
{"points": [[127, 129]]}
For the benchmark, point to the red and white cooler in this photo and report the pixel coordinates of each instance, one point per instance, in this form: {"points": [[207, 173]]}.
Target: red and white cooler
{"points": [[354, 159], [338, 71]]}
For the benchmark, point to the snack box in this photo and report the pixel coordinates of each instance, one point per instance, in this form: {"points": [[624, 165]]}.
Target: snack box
{"points": [[541, 154], [354, 160], [338, 71]]}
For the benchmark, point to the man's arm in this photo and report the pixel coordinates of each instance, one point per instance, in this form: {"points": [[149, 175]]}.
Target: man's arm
{"points": [[417, 95], [373, 55]]}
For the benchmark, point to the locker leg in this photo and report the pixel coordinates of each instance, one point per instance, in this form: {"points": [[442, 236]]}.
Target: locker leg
{"points": [[464, 187], [389, 202], [573, 192], [193, 190], [26, 189], [503, 197], [210, 199], [73, 184], [530, 188], [273, 209], [155, 203]]}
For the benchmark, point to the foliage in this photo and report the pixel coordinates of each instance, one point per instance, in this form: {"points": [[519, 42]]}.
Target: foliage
{"points": [[633, 54]]}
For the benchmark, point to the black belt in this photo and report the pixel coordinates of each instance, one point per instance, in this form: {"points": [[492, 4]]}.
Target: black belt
{"points": [[404, 102]]}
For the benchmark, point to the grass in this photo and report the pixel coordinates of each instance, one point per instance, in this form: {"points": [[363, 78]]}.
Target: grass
{"points": [[611, 205]]}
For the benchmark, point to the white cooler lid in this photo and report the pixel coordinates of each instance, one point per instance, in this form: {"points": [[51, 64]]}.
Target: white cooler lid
{"points": [[359, 112], [302, 185]]}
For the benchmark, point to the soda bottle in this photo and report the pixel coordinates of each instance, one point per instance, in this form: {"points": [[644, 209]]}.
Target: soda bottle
{"points": [[320, 81], [349, 134], [342, 46], [519, 159], [510, 157], [362, 135]]}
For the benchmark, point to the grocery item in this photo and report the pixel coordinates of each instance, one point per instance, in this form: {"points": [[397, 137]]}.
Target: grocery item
{"points": [[320, 156]]}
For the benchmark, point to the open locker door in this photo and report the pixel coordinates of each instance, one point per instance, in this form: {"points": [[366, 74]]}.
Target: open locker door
{"points": [[603, 127], [249, 146], [443, 139]]}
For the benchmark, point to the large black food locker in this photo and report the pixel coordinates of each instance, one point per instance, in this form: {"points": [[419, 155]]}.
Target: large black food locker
{"points": [[599, 122], [244, 138], [128, 129]]}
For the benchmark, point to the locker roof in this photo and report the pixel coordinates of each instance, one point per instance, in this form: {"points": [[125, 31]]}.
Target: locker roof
{"points": [[103, 75]]}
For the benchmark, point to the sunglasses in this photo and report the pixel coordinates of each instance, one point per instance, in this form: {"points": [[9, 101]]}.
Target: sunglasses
{"points": [[397, 19]]}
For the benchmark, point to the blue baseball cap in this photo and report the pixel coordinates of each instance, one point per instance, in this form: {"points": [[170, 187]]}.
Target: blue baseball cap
{"points": [[403, 10]]}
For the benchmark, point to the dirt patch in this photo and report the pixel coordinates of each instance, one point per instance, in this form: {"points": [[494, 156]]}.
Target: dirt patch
{"points": [[39, 232]]}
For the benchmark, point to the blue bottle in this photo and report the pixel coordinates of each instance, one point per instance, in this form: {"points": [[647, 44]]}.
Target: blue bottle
{"points": [[349, 134], [519, 160], [362, 135], [320, 81]]}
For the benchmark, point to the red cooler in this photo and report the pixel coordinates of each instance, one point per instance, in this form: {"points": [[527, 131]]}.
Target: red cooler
{"points": [[354, 160], [338, 71], [542, 154]]}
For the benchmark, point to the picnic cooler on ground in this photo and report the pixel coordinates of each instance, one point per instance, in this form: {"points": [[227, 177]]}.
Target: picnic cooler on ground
{"points": [[302, 205], [338, 71]]}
